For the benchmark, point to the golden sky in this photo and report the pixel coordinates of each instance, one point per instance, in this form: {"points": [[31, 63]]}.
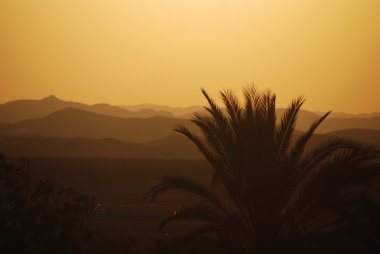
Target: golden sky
{"points": [[163, 51]]}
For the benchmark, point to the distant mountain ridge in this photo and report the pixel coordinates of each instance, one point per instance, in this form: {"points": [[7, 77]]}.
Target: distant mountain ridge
{"points": [[174, 146], [176, 111], [186, 112], [20, 110], [364, 135], [52, 117], [75, 123], [350, 115], [170, 147]]}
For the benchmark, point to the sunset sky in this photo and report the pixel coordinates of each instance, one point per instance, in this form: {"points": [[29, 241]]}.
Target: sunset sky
{"points": [[162, 51]]}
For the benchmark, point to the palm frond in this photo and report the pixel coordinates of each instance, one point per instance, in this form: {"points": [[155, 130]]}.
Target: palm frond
{"points": [[327, 150], [199, 212], [300, 145], [334, 176], [189, 186], [233, 108], [219, 117], [286, 127], [248, 149], [250, 92], [269, 105], [209, 228], [202, 147], [217, 141]]}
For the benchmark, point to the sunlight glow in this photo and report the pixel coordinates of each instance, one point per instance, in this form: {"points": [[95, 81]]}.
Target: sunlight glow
{"points": [[163, 51]]}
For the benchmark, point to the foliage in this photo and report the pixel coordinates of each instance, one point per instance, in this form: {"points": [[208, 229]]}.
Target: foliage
{"points": [[271, 192], [42, 219]]}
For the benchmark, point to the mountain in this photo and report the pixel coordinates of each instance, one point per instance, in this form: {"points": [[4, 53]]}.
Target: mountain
{"points": [[348, 115], [331, 124], [336, 124], [19, 110], [363, 135], [186, 112], [306, 118], [75, 122], [170, 147], [174, 146], [176, 111], [72, 123]]}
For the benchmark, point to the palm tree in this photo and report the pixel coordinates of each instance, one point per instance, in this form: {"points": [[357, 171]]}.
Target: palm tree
{"points": [[270, 192]]}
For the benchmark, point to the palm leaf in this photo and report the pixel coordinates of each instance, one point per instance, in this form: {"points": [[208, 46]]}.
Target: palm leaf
{"points": [[198, 212], [327, 150], [186, 185], [286, 127], [333, 177], [300, 144], [218, 115], [233, 108], [205, 150]]}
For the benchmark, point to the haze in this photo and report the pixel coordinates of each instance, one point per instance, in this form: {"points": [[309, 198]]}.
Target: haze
{"points": [[163, 51]]}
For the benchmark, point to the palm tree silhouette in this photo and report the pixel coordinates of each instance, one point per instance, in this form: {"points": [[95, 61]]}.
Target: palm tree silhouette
{"points": [[270, 193]]}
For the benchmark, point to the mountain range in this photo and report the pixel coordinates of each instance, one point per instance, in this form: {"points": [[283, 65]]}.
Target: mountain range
{"points": [[15, 111], [180, 112], [74, 123], [174, 146], [53, 127], [170, 147]]}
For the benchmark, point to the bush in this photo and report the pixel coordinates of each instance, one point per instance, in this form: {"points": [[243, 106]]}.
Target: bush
{"points": [[40, 219]]}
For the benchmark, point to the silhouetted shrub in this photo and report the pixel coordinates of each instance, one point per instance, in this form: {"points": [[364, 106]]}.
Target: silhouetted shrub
{"points": [[40, 219]]}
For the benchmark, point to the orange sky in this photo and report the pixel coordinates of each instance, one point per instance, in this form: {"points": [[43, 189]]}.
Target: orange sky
{"points": [[163, 51]]}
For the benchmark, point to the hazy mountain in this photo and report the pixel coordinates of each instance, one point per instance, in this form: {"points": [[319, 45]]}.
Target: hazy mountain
{"points": [[176, 111], [19, 110], [72, 123], [306, 118], [186, 112], [349, 115], [363, 135], [54, 118], [174, 146], [335, 124]]}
